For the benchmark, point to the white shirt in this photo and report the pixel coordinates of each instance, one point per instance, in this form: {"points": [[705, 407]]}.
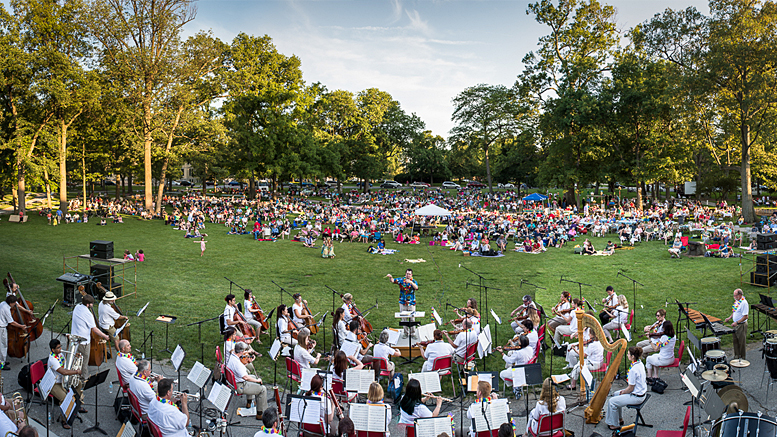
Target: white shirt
{"points": [[611, 300], [667, 347], [5, 315], [743, 310], [246, 305], [303, 357], [54, 365], [283, 326], [533, 339], [594, 353], [623, 315], [518, 357], [434, 350], [341, 331], [107, 315], [83, 322], [171, 421], [420, 411], [347, 317], [637, 378], [382, 350], [229, 312], [540, 410], [143, 391], [7, 425], [237, 367], [126, 367], [297, 308], [464, 339]]}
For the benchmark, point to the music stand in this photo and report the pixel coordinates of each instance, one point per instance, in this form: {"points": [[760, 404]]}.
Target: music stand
{"points": [[533, 377], [94, 381], [167, 320], [303, 409], [712, 404]]}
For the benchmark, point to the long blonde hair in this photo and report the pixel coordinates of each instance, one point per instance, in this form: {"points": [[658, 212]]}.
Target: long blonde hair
{"points": [[549, 395], [622, 300]]}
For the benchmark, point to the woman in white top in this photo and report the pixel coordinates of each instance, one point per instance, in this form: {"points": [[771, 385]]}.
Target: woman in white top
{"points": [[375, 397], [483, 395], [302, 350], [548, 402], [665, 356], [412, 407], [338, 326], [347, 304], [248, 304], [633, 394], [435, 350], [515, 358], [284, 326], [593, 356], [619, 316]]}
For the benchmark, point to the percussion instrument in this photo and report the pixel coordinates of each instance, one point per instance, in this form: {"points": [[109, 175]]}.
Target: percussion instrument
{"points": [[714, 375], [770, 352], [733, 394], [714, 357], [739, 363], [721, 368], [770, 334], [744, 424], [709, 343]]}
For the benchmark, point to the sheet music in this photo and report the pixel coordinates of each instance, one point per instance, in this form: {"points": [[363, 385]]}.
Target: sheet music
{"points": [[433, 426], [312, 411], [497, 412], [177, 357], [484, 341], [393, 336], [358, 380], [519, 377], [48, 381], [351, 348], [307, 375], [436, 316], [369, 417], [426, 332], [558, 379], [692, 388], [219, 396], [275, 349], [406, 314], [626, 332], [430, 381], [497, 318], [68, 404], [126, 431], [118, 331], [140, 311], [199, 375], [586, 374], [472, 381]]}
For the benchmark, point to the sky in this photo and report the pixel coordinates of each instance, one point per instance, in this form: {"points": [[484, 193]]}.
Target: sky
{"points": [[422, 52]]}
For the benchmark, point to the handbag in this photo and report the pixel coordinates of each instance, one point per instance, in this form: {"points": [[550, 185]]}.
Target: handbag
{"points": [[659, 386]]}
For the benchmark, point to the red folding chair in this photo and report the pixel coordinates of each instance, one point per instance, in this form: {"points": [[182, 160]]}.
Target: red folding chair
{"points": [[631, 320], [674, 433], [124, 390], [137, 412], [442, 365], [472, 351], [293, 372], [370, 434], [492, 433], [409, 429], [343, 396], [155, 431], [677, 360], [549, 425], [317, 429], [382, 364], [37, 371]]}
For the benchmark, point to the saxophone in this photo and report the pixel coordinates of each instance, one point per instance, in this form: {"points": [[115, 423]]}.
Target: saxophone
{"points": [[74, 361]]}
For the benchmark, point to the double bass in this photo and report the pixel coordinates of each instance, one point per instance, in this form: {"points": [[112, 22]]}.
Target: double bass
{"points": [[19, 339], [125, 333]]}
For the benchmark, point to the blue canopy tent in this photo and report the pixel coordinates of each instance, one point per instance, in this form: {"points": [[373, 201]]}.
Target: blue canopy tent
{"points": [[537, 197]]}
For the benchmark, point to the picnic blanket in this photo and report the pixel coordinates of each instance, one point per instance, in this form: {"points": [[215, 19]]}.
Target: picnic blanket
{"points": [[415, 261], [485, 256]]}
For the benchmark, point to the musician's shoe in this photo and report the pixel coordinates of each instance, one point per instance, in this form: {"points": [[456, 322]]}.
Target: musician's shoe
{"points": [[83, 410], [248, 404], [258, 416], [64, 424], [5, 366], [651, 381]]}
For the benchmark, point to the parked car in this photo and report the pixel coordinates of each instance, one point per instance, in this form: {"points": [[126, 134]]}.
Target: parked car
{"points": [[507, 185], [185, 183], [331, 183], [390, 184], [450, 184], [475, 184], [360, 184], [420, 185], [234, 184]]}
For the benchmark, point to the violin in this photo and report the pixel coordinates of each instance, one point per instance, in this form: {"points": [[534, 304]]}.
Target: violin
{"points": [[248, 357], [363, 340]]}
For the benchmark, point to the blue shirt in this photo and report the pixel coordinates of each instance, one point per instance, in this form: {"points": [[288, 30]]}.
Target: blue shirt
{"points": [[406, 291]]}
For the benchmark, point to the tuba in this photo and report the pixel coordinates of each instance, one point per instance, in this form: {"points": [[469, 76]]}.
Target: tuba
{"points": [[74, 361]]}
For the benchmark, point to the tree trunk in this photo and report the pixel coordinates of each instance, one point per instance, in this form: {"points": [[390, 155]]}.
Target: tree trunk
{"points": [[667, 190], [21, 192], [47, 185], [488, 172], [147, 142], [571, 196], [83, 173], [252, 186], [63, 166], [129, 183], [639, 196], [748, 210], [166, 161]]}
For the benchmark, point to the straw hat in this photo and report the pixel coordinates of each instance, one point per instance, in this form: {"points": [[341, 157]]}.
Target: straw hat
{"points": [[109, 296]]}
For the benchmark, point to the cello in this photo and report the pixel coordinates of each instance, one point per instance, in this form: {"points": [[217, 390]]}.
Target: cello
{"points": [[245, 327], [98, 353], [256, 310], [365, 326], [125, 333], [307, 314]]}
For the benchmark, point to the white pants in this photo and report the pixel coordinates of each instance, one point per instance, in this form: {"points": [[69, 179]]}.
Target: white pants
{"points": [[576, 370], [517, 327], [573, 356], [408, 330], [562, 330], [655, 361], [4, 344], [647, 347], [505, 375], [616, 403], [611, 326]]}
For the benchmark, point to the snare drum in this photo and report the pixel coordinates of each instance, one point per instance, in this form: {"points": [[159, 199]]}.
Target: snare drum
{"points": [[744, 424], [714, 357], [709, 343]]}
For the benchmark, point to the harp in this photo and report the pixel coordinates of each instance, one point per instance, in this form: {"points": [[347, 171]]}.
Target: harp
{"points": [[593, 413]]}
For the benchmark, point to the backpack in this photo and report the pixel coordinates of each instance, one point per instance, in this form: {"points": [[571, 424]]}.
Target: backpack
{"points": [[659, 386], [395, 386]]}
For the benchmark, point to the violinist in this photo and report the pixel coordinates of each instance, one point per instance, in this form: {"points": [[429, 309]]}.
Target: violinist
{"points": [[83, 326], [610, 303], [655, 330], [354, 334], [7, 319], [299, 313], [252, 312], [347, 307], [522, 312], [338, 327], [231, 339], [108, 316], [303, 349], [463, 340], [437, 349], [247, 384], [528, 330], [383, 350], [285, 326], [470, 311], [560, 311], [518, 357]]}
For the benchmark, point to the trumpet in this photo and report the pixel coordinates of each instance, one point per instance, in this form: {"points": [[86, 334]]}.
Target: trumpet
{"points": [[437, 397], [193, 397]]}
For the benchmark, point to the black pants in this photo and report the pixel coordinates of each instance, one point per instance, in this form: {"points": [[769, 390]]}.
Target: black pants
{"points": [[604, 317]]}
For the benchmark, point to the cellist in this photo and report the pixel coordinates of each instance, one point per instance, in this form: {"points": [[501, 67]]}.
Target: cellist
{"points": [[108, 316], [252, 308], [229, 316], [300, 315], [7, 319], [84, 325], [285, 326]]}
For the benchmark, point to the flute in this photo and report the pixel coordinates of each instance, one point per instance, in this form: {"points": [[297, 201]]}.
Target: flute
{"points": [[429, 395]]}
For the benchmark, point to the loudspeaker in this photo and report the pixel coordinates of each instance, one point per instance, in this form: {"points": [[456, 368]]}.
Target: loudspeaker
{"points": [[764, 238], [101, 249], [101, 273], [116, 288]]}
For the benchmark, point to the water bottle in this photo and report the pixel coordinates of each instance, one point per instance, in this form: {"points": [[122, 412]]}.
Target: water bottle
{"points": [[110, 387], [49, 417]]}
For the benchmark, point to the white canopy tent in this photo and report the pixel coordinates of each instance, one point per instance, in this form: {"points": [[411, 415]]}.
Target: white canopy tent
{"points": [[432, 210]]}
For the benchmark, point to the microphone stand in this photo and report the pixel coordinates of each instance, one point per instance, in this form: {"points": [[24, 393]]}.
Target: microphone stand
{"points": [[199, 335], [579, 285], [481, 287], [634, 283]]}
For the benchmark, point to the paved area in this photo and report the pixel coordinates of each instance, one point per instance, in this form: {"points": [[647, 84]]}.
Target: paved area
{"points": [[664, 411]]}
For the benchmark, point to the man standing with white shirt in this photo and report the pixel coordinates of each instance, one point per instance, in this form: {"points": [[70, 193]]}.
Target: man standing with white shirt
{"points": [[83, 326], [739, 315]]}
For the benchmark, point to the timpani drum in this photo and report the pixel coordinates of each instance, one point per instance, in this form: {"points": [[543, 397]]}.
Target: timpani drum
{"points": [[709, 343], [713, 357], [743, 424]]}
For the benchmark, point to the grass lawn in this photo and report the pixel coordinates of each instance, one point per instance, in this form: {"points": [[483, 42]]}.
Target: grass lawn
{"points": [[177, 281]]}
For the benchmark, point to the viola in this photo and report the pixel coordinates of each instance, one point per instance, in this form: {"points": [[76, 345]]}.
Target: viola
{"points": [[362, 338]]}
